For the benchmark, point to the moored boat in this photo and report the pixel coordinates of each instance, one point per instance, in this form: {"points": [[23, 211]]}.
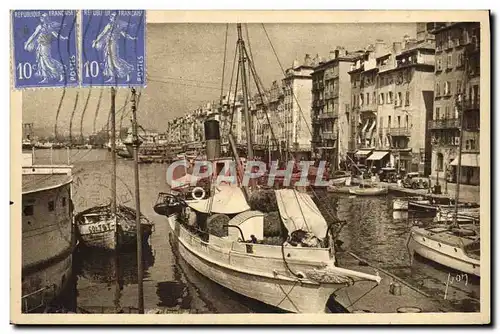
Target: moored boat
{"points": [[47, 233], [401, 204], [97, 228], [453, 247], [368, 191], [295, 279]]}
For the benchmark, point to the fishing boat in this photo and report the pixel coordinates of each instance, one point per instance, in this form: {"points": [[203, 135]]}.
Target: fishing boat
{"points": [[464, 215], [98, 228], [429, 208], [401, 203], [453, 247], [47, 233]]}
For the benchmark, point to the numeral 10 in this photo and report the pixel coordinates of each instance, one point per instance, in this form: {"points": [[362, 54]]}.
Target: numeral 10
{"points": [[24, 71], [91, 69]]}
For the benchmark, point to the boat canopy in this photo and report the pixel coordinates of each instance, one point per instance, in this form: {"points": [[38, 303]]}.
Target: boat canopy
{"points": [[294, 207], [228, 199]]}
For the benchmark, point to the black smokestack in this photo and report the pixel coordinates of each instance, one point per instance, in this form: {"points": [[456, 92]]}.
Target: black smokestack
{"points": [[212, 138]]}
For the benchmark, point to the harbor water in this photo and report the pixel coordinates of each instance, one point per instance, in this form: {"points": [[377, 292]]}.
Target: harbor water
{"points": [[105, 283]]}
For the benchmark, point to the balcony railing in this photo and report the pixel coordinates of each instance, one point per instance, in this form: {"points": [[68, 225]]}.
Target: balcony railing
{"points": [[399, 132], [453, 123], [327, 115], [330, 135]]}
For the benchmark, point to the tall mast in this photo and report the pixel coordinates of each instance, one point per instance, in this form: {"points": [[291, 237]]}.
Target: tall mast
{"points": [[244, 88], [113, 152]]}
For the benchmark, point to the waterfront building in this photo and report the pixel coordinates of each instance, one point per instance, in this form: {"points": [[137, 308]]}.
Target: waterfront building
{"points": [[331, 99], [456, 89]]}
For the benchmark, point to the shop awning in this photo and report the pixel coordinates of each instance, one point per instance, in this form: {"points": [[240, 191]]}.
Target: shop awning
{"points": [[377, 155], [468, 159], [363, 153]]}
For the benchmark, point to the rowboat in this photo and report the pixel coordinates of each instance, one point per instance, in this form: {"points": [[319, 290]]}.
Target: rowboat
{"points": [[338, 181], [97, 227], [457, 248], [296, 277], [401, 204], [371, 191]]}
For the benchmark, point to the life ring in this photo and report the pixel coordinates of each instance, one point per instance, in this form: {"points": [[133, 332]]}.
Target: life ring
{"points": [[198, 189]]}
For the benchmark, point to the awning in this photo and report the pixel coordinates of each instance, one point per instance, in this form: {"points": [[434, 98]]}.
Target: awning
{"points": [[377, 155], [361, 153], [468, 160], [294, 207]]}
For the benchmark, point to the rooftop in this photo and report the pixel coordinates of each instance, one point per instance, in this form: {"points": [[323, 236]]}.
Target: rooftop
{"points": [[39, 182]]}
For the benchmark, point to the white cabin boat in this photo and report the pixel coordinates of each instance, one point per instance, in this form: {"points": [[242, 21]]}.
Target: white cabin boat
{"points": [[456, 248], [292, 278], [47, 233]]}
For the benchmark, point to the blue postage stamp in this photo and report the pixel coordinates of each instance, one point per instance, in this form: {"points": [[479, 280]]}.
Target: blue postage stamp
{"points": [[113, 48], [45, 48]]}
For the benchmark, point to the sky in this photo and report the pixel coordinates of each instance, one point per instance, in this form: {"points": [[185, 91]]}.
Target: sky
{"points": [[184, 70]]}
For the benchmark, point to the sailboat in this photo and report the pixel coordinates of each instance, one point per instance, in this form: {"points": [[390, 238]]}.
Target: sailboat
{"points": [[111, 226], [455, 245], [225, 240]]}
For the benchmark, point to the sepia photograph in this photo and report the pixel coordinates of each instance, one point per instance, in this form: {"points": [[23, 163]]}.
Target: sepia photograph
{"points": [[250, 167]]}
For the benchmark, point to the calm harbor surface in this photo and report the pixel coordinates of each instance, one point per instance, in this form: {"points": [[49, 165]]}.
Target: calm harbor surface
{"points": [[373, 232]]}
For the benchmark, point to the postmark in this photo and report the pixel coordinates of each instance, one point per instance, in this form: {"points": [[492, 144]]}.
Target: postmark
{"points": [[45, 48], [113, 48], [91, 189]]}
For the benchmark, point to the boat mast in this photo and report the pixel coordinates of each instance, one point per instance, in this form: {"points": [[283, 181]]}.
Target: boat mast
{"points": [[113, 154], [460, 107], [136, 143], [244, 88]]}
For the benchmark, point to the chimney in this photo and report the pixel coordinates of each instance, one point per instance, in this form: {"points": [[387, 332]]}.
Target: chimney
{"points": [[340, 52], [406, 40], [379, 47], [332, 55], [307, 60], [295, 64], [397, 47]]}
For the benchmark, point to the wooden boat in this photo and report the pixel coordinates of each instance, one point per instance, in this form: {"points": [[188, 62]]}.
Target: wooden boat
{"points": [[431, 207], [401, 204], [338, 189], [457, 248], [97, 227], [368, 191], [47, 233], [338, 181], [295, 279], [464, 215]]}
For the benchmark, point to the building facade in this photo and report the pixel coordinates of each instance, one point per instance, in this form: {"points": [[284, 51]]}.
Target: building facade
{"points": [[456, 91], [331, 100]]}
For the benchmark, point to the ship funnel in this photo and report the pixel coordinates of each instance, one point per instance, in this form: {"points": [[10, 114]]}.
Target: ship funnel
{"points": [[212, 138]]}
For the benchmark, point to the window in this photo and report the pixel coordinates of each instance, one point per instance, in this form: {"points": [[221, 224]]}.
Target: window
{"points": [[63, 201], [51, 205], [459, 86], [437, 116], [367, 99], [29, 210], [450, 61], [406, 121], [447, 112], [439, 64], [399, 99], [440, 162], [361, 99], [460, 60], [381, 98], [399, 121], [389, 98], [374, 98], [407, 102], [389, 121], [438, 89], [447, 88]]}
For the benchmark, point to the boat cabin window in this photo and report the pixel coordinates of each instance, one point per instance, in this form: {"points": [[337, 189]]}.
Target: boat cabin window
{"points": [[51, 205], [29, 210], [63, 201]]}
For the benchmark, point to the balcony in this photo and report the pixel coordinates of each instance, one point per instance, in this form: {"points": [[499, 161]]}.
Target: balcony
{"points": [[368, 107], [327, 115], [441, 124], [399, 132], [470, 142], [330, 135]]}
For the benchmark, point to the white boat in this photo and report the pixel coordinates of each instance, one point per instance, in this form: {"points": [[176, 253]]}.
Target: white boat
{"points": [[456, 248], [295, 279], [47, 233], [464, 215], [368, 191]]}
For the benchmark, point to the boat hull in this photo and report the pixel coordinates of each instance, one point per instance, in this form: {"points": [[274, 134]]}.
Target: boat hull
{"points": [[284, 293], [400, 205], [369, 191], [452, 256]]}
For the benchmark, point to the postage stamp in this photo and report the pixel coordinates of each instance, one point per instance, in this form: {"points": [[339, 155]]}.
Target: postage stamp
{"points": [[45, 48], [113, 48]]}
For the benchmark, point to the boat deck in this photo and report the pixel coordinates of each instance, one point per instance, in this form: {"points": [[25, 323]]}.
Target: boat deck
{"points": [[357, 299]]}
